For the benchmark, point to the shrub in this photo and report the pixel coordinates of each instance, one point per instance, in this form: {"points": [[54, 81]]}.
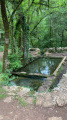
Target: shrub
{"points": [[1, 48], [14, 61], [5, 79]]}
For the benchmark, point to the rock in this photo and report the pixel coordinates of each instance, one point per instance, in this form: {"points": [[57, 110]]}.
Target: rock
{"points": [[11, 88], [29, 100], [57, 96], [11, 93], [8, 99], [65, 75], [47, 53], [41, 89], [23, 91], [48, 100], [60, 102], [1, 117], [39, 101]]}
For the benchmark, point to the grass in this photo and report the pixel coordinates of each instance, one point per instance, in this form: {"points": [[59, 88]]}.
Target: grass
{"points": [[31, 93], [34, 100], [3, 93], [21, 101]]}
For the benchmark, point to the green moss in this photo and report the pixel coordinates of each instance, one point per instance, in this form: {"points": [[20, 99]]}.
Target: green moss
{"points": [[60, 69], [54, 80], [36, 84], [52, 85]]}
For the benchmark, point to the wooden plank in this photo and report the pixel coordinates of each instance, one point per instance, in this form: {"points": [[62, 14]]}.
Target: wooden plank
{"points": [[55, 72]]}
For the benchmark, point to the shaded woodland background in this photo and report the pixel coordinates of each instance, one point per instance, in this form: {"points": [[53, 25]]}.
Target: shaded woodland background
{"points": [[28, 24]]}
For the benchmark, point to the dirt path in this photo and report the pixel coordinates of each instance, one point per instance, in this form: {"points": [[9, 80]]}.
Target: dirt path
{"points": [[14, 111]]}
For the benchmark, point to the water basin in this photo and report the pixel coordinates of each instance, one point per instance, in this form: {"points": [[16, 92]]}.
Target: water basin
{"points": [[31, 82], [42, 66]]}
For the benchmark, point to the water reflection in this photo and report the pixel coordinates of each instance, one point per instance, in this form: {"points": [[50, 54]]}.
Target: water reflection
{"points": [[43, 66]]}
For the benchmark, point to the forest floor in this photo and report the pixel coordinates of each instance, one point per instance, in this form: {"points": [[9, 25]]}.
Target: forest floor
{"points": [[11, 109]]}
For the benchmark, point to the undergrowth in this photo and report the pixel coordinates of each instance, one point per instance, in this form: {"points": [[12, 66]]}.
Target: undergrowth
{"points": [[20, 100], [1, 48], [3, 93], [0, 67]]}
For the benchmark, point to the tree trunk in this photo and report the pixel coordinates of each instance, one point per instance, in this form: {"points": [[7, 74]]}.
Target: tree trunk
{"points": [[28, 17], [24, 47], [12, 37], [6, 27], [48, 4]]}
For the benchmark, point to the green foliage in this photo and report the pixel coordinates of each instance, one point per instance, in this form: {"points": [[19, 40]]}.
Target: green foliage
{"points": [[0, 66], [31, 93], [14, 61], [36, 24], [1, 48], [20, 100], [4, 79], [52, 85], [3, 93], [40, 22], [34, 100]]}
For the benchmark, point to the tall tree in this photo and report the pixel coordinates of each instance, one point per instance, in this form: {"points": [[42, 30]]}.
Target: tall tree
{"points": [[6, 27]]}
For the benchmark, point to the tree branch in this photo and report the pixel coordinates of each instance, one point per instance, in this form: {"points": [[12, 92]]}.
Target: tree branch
{"points": [[47, 5], [39, 22], [29, 6], [15, 9]]}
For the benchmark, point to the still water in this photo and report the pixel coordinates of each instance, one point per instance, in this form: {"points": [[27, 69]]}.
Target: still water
{"points": [[31, 82], [42, 66]]}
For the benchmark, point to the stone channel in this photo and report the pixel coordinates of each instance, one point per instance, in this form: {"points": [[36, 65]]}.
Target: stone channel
{"points": [[58, 96]]}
